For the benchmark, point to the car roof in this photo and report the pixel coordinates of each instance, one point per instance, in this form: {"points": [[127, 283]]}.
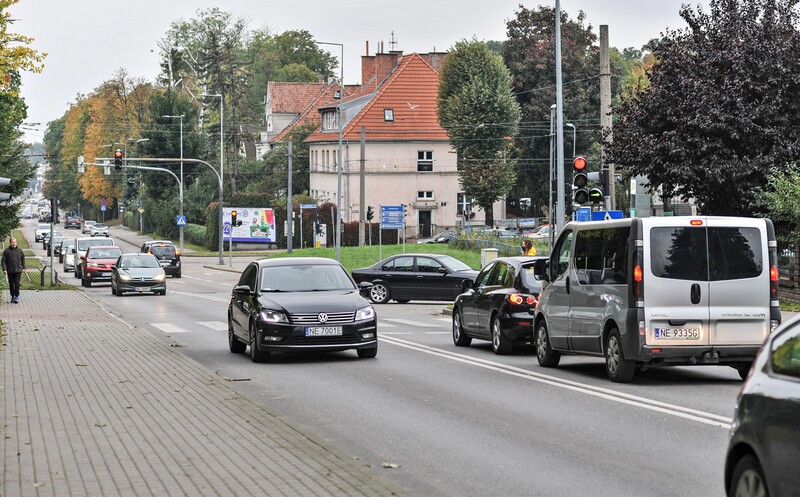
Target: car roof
{"points": [[297, 261]]}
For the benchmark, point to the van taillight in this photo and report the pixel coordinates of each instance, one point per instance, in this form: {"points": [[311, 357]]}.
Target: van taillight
{"points": [[773, 281], [638, 281]]}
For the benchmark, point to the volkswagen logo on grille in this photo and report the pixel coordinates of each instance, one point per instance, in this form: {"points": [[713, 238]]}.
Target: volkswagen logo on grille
{"points": [[322, 317]]}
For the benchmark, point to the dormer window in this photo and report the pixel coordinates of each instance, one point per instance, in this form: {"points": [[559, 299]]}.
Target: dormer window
{"points": [[388, 115], [329, 121]]}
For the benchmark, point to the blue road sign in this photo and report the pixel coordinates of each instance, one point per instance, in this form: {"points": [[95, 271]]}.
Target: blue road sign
{"points": [[606, 215], [308, 206], [180, 220], [583, 214], [138, 203], [102, 207], [392, 217]]}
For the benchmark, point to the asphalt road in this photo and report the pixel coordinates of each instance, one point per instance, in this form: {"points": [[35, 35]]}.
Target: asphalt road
{"points": [[451, 421]]}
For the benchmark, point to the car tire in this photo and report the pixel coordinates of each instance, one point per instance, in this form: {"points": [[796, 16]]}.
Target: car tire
{"points": [[113, 290], [402, 301], [255, 354], [747, 479], [460, 337], [234, 344], [369, 353], [500, 344], [87, 282], [743, 368], [619, 369], [379, 293], [548, 358], [162, 292], [77, 275]]}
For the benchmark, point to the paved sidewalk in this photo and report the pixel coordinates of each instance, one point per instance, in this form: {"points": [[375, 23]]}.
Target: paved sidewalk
{"points": [[92, 406]]}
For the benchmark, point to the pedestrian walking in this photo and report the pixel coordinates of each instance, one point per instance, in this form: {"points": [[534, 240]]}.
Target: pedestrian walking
{"points": [[13, 267], [528, 248]]}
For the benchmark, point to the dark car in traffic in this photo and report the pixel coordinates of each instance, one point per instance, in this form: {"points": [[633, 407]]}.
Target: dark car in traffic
{"points": [[406, 277], [500, 305], [292, 304], [167, 254], [72, 222], [764, 447], [138, 273]]}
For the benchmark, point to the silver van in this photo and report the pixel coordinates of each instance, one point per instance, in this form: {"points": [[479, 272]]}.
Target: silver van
{"points": [[645, 292], [80, 248]]}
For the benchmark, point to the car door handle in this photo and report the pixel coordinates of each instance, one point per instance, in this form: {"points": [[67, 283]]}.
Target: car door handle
{"points": [[695, 293], [567, 284]]}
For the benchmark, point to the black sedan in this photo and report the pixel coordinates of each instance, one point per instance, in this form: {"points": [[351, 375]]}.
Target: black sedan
{"points": [[407, 277], [499, 306], [300, 304], [765, 435], [137, 273]]}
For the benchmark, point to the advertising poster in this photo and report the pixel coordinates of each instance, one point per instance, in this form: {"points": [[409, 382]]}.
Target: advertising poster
{"points": [[257, 225]]}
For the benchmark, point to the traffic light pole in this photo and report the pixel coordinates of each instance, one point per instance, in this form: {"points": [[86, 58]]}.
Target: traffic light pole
{"points": [[195, 161]]}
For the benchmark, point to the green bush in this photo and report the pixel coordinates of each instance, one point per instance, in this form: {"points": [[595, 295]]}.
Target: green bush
{"points": [[194, 234]]}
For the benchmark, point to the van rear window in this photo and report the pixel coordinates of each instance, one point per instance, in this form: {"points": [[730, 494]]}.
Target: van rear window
{"points": [[706, 254]]}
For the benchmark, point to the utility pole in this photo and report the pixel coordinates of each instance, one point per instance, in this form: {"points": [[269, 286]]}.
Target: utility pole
{"points": [[362, 184], [289, 210], [560, 194], [605, 118]]}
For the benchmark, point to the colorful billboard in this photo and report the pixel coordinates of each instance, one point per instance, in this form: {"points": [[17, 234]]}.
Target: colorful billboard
{"points": [[257, 225]]}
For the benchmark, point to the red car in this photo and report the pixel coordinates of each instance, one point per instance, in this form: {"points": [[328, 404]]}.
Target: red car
{"points": [[97, 262]]}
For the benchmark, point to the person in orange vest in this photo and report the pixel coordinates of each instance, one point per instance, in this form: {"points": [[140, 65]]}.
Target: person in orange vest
{"points": [[528, 248]]}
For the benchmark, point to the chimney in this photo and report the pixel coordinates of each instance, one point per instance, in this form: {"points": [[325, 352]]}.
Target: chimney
{"points": [[385, 64]]}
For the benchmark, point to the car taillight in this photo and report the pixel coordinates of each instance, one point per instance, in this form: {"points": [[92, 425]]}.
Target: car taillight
{"points": [[773, 281], [638, 275], [517, 299]]}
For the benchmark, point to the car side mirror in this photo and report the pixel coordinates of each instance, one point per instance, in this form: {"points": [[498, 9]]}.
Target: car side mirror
{"points": [[540, 269], [442, 270], [242, 290], [364, 288]]}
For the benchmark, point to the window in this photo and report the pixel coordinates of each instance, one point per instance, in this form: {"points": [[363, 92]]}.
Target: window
{"points": [[462, 204], [329, 121], [427, 265], [405, 263], [424, 195], [388, 115], [425, 161], [601, 256], [562, 252], [785, 354]]}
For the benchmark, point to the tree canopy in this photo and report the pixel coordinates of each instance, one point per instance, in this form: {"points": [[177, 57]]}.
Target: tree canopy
{"points": [[480, 114], [722, 106]]}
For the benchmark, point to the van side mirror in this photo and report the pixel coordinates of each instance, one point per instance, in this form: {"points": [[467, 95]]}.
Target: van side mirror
{"points": [[540, 269]]}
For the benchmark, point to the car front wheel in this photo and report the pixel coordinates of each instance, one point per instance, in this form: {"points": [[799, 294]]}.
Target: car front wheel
{"points": [[460, 338], [235, 346], [367, 353], [379, 293], [748, 479], [255, 354], [548, 358]]}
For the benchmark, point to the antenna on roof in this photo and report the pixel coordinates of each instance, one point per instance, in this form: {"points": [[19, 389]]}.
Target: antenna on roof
{"points": [[392, 43]]}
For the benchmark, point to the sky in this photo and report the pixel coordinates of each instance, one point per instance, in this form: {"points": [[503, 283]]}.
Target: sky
{"points": [[88, 41]]}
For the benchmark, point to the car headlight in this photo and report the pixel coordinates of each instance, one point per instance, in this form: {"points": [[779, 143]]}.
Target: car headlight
{"points": [[365, 313], [92, 264], [160, 278], [124, 277], [273, 316]]}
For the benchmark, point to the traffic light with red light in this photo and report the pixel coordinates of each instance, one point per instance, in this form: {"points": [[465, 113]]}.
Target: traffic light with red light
{"points": [[118, 159], [580, 192]]}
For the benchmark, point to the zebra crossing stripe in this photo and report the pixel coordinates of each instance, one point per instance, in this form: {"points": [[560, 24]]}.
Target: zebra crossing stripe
{"points": [[169, 328]]}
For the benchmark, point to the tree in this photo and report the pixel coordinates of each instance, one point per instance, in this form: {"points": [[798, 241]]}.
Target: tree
{"points": [[722, 108], [780, 201], [477, 109], [529, 54]]}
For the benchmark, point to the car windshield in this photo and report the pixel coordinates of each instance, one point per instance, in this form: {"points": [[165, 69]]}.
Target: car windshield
{"points": [[312, 278], [453, 263], [109, 253], [138, 261]]}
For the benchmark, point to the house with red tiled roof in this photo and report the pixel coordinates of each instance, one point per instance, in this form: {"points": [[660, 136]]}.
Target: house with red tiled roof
{"points": [[407, 157]]}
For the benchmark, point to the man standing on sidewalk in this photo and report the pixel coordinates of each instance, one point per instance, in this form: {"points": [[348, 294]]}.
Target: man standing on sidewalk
{"points": [[13, 267]]}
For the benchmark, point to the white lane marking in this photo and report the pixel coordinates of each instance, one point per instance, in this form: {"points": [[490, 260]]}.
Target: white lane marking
{"points": [[169, 328], [384, 324], [410, 323], [395, 333], [176, 282], [437, 332], [214, 325], [445, 320], [207, 297], [604, 393]]}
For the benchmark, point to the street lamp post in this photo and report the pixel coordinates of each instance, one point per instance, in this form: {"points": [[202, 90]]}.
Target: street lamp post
{"points": [[180, 228], [221, 166], [574, 136], [338, 240]]}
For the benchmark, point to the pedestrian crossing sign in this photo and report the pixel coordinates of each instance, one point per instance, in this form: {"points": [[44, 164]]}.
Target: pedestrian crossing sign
{"points": [[180, 220]]}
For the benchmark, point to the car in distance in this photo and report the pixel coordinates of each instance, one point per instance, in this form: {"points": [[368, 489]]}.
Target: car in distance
{"points": [[52, 244], [441, 237], [138, 273], [300, 304], [79, 250], [167, 254], [764, 446], [72, 222], [97, 263], [87, 226], [99, 229], [40, 230], [499, 307], [406, 277], [67, 257]]}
